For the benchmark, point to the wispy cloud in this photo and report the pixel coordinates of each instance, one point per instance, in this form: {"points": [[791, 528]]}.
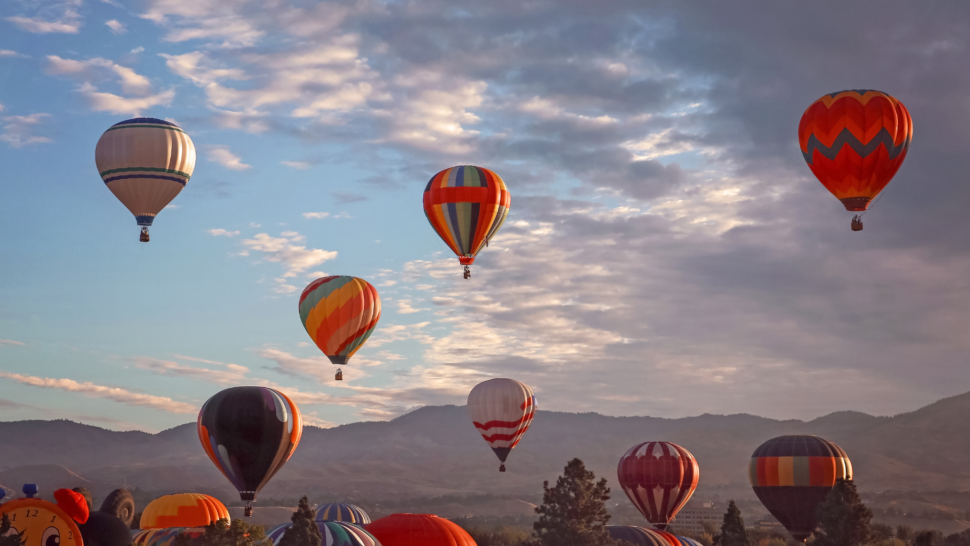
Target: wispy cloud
{"points": [[316, 215], [115, 394], [223, 233], [18, 130], [10, 342], [286, 250], [116, 26], [70, 23], [301, 165], [230, 374], [137, 87], [223, 156], [345, 198], [9, 53]]}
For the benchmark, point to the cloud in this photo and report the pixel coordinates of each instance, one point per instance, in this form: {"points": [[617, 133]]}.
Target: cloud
{"points": [[404, 307], [301, 165], [115, 394], [10, 342], [69, 25], [9, 53], [224, 157], [229, 374], [294, 257], [18, 130], [219, 232], [137, 87], [345, 198], [116, 27], [316, 215]]}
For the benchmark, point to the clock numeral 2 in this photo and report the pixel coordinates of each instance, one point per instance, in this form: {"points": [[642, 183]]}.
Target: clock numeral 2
{"points": [[70, 535]]}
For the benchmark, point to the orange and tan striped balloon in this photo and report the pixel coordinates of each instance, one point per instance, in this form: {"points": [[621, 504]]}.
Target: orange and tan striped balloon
{"points": [[340, 312], [145, 162], [182, 510]]}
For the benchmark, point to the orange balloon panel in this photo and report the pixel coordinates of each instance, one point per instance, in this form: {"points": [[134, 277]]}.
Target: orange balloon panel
{"points": [[855, 141], [340, 312], [182, 510]]}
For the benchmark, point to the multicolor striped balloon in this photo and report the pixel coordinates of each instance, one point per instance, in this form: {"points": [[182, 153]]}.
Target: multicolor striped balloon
{"points": [[182, 510], [145, 162], [502, 410], [336, 511], [466, 205], [249, 433], [792, 475], [340, 312], [659, 478], [639, 536], [855, 141], [687, 541], [166, 536], [334, 533]]}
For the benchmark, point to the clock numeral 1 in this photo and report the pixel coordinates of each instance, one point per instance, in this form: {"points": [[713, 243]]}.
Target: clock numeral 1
{"points": [[14, 518], [53, 518]]}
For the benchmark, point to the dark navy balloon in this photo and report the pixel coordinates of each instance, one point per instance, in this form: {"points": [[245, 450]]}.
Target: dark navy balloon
{"points": [[249, 433]]}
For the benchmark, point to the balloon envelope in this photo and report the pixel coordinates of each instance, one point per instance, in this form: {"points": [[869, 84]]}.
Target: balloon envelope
{"points": [[854, 141], [166, 536], [336, 511], [333, 533], [145, 162], [182, 510], [659, 478], [466, 205], [340, 312], [419, 530], [249, 433], [791, 475], [640, 536], [502, 410]]}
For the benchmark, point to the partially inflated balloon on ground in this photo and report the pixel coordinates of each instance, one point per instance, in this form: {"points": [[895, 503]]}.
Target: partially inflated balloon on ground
{"points": [[502, 410], [792, 475], [659, 478], [333, 533], [120, 504], [418, 530], [638, 536], [104, 529], [335, 511], [145, 162], [167, 536], [182, 510], [249, 433]]}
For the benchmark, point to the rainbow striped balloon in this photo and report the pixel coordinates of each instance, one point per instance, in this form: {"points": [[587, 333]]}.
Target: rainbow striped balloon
{"points": [[333, 533], [466, 205], [338, 511], [340, 312]]}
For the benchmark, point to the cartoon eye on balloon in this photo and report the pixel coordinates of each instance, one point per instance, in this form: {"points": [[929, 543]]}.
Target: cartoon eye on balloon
{"points": [[855, 141], [145, 162], [466, 205]]}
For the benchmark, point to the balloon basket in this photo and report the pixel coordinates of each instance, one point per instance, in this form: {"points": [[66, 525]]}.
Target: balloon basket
{"points": [[857, 223], [144, 235], [467, 272], [339, 376], [501, 468], [248, 511]]}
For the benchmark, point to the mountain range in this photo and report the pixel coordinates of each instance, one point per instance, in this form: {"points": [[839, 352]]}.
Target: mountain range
{"points": [[435, 451]]}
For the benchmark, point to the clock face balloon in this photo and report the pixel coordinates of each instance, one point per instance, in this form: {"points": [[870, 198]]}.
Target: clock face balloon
{"points": [[42, 523]]}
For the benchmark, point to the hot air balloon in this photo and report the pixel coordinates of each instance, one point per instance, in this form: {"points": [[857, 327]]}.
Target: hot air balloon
{"points": [[854, 141], [640, 536], [145, 162], [466, 205], [182, 510], [659, 478], [340, 313], [167, 536], [792, 475], [333, 533], [336, 511], [419, 530], [249, 433], [502, 410]]}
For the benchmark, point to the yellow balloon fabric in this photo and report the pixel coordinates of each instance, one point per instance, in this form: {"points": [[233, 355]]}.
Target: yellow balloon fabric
{"points": [[182, 510], [145, 162]]}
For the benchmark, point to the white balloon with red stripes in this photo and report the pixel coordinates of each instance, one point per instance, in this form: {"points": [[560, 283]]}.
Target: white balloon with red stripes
{"points": [[502, 410]]}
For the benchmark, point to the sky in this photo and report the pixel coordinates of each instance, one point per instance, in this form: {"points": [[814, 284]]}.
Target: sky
{"points": [[667, 252]]}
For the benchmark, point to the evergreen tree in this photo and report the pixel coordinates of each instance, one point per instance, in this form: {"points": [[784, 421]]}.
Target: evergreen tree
{"points": [[222, 533], [573, 512], [304, 531], [928, 538], [842, 518], [13, 539], [733, 532]]}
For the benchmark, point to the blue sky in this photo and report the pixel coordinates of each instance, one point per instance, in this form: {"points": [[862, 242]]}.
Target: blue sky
{"points": [[667, 252]]}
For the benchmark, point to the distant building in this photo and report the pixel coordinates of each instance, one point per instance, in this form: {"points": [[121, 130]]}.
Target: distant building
{"points": [[769, 525], [690, 519]]}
